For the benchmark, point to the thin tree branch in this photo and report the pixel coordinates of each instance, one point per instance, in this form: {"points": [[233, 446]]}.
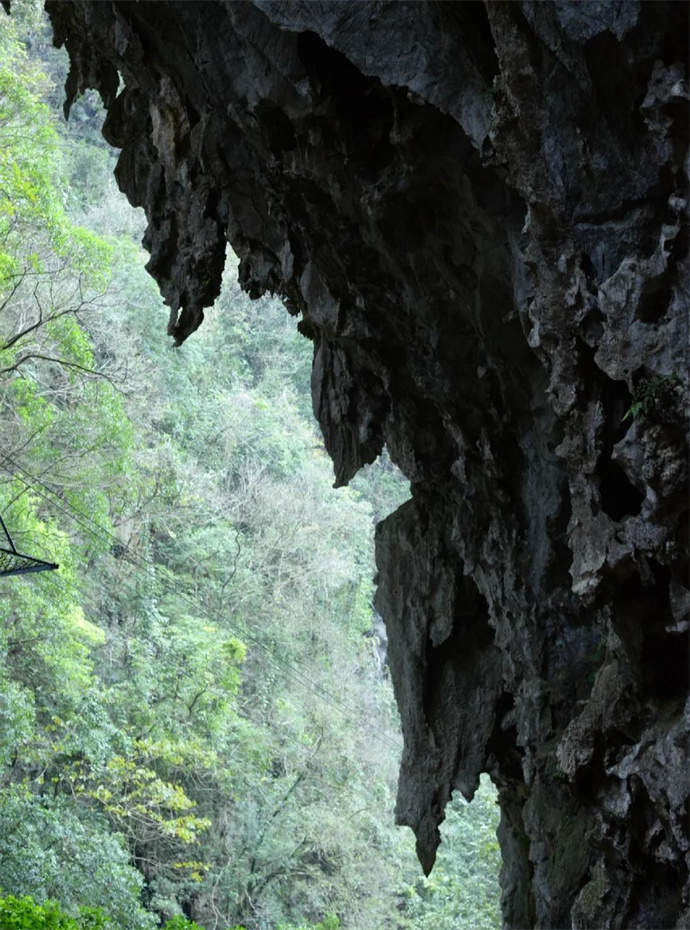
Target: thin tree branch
{"points": [[11, 293], [42, 322], [58, 361]]}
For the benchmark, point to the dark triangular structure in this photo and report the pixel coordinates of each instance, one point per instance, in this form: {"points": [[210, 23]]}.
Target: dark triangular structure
{"points": [[16, 563]]}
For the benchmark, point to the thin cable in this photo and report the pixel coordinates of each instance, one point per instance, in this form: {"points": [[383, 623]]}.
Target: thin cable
{"points": [[98, 532], [347, 710], [90, 602], [336, 787]]}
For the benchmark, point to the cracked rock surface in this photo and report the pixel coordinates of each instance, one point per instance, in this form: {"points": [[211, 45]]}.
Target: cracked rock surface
{"points": [[480, 214]]}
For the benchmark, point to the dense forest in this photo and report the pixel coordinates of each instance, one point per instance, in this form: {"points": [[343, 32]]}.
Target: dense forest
{"points": [[196, 721]]}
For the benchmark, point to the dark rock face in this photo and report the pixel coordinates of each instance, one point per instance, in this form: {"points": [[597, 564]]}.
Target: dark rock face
{"points": [[481, 214]]}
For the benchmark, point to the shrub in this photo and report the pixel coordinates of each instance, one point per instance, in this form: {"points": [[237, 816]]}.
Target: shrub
{"points": [[24, 913], [180, 923]]}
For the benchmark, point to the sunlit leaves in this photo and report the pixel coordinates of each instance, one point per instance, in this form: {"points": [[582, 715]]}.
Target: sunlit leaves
{"points": [[139, 801]]}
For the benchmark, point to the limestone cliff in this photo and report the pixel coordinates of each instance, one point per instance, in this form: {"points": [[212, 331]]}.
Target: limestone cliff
{"points": [[480, 213]]}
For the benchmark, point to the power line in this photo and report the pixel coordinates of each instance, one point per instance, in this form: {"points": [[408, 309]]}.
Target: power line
{"points": [[348, 711], [90, 602], [337, 787], [304, 680]]}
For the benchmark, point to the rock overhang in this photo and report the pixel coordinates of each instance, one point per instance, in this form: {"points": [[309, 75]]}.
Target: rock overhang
{"points": [[479, 212]]}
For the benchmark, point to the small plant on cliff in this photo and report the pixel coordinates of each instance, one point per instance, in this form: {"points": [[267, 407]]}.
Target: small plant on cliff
{"points": [[654, 398]]}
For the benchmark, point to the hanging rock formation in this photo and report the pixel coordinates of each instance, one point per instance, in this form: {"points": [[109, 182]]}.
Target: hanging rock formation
{"points": [[480, 213]]}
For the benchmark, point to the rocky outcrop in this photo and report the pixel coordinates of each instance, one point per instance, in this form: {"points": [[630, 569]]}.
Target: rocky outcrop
{"points": [[480, 214]]}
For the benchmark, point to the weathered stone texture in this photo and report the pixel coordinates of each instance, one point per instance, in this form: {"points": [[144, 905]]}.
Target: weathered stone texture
{"points": [[480, 213]]}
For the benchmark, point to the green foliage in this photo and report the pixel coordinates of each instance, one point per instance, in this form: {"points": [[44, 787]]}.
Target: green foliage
{"points": [[180, 923], [462, 890], [329, 922], [655, 398], [53, 850], [32, 215], [132, 793], [23, 913]]}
